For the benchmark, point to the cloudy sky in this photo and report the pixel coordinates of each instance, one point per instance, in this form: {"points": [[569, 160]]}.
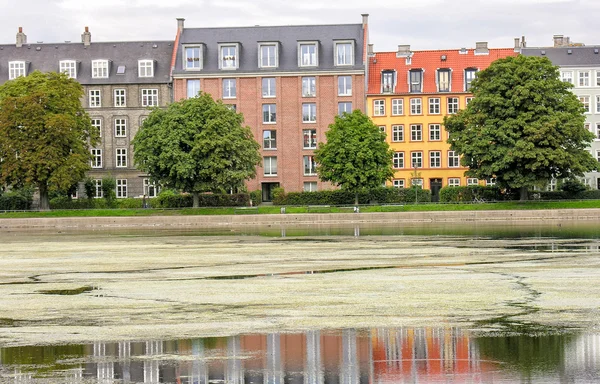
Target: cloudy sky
{"points": [[424, 24]]}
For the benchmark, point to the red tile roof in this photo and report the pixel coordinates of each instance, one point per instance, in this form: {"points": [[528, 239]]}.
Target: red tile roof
{"points": [[430, 61]]}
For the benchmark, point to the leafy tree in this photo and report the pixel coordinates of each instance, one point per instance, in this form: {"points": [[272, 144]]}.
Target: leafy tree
{"points": [[356, 155], [90, 188], [197, 145], [45, 134], [108, 190], [524, 127]]}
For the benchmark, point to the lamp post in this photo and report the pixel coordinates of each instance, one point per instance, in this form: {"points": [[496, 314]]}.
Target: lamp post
{"points": [[416, 166]]}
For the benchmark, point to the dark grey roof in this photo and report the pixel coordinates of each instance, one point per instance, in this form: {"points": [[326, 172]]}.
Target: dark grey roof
{"points": [[579, 56], [287, 37], [46, 57]]}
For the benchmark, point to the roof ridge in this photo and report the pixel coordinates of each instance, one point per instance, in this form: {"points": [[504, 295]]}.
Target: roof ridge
{"points": [[277, 26]]}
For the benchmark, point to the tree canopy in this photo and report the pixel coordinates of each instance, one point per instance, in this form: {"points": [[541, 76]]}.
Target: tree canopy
{"points": [[45, 134], [524, 127], [197, 145], [356, 154]]}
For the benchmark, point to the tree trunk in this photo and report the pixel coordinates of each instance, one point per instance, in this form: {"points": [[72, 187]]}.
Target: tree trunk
{"points": [[44, 203], [356, 199], [196, 197], [523, 194]]}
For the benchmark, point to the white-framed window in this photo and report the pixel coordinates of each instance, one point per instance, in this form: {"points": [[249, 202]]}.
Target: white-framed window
{"points": [[398, 183], [192, 57], [310, 186], [120, 98], [382, 129], [229, 88], [309, 87], [585, 100], [492, 181], [453, 159], [397, 133], [388, 81], [120, 127], [567, 76], [398, 160], [95, 101], [69, 67], [121, 157], [598, 104], [193, 88], [598, 155], [435, 132], [150, 189], [149, 97], [415, 106], [415, 77], [268, 87], [99, 69], [472, 181], [121, 188], [268, 55], [344, 53], [454, 182], [97, 123], [96, 158], [453, 105], [228, 56], [269, 139], [434, 106], [309, 112], [468, 100], [379, 107], [270, 165], [308, 55], [98, 185], [16, 69], [443, 80], [309, 138], [397, 107], [597, 131], [435, 159], [418, 182], [344, 85], [146, 68], [344, 107], [470, 74], [416, 132], [233, 107], [269, 113], [310, 165], [584, 78], [416, 159]]}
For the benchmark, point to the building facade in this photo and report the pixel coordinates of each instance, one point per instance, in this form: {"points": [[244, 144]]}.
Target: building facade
{"points": [[122, 82], [409, 93], [289, 82]]}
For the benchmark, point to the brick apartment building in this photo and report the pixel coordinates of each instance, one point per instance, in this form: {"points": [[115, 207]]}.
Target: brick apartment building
{"points": [[289, 82]]}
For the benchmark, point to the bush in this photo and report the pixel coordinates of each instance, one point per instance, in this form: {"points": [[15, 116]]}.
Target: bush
{"points": [[573, 187], [90, 188], [17, 200], [108, 191], [173, 199], [387, 195], [256, 197], [593, 194], [469, 193]]}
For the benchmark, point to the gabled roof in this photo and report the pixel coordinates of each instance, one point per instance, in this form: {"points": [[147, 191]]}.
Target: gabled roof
{"points": [[46, 57], [588, 56], [430, 62]]}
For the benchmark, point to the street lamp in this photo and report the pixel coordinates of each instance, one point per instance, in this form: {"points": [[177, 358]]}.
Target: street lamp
{"points": [[416, 165]]}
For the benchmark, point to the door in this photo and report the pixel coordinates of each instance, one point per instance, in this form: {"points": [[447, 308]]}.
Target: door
{"points": [[267, 191], [435, 185]]}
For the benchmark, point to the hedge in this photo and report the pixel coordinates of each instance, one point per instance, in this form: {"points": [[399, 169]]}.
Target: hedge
{"points": [[175, 200], [388, 195], [64, 202], [14, 201], [593, 194], [467, 194]]}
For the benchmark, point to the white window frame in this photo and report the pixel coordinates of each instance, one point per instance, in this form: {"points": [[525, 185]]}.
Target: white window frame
{"points": [[435, 159], [227, 65], [310, 63], [469, 81], [146, 68], [454, 182], [344, 85], [597, 138], [417, 182], [344, 104], [98, 186], [269, 113], [398, 183], [397, 133], [379, 107], [97, 123], [261, 57], [581, 78], [120, 127], [16, 69], [95, 98], [100, 69], [397, 107], [435, 132], [453, 159], [388, 81], [270, 166], [567, 76], [309, 139], [468, 100], [149, 97], [193, 88], [310, 165], [597, 103], [96, 161], [309, 186], [398, 160], [346, 61], [588, 103], [193, 59], [435, 105], [416, 157], [472, 181], [121, 157], [269, 139], [150, 189], [453, 105], [446, 82], [416, 132], [69, 67], [120, 97], [309, 113], [271, 87], [309, 86], [229, 92], [416, 106], [121, 188]]}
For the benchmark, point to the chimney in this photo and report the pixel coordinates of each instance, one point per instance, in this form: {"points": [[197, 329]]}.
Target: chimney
{"points": [[365, 19], [21, 38], [481, 48], [180, 24], [403, 51], [558, 40], [523, 43], [517, 43], [370, 50], [86, 37]]}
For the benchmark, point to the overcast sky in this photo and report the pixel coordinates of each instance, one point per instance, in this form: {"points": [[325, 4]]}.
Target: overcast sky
{"points": [[424, 24]]}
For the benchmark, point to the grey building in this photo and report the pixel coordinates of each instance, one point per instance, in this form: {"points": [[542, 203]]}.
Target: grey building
{"points": [[580, 66], [122, 81]]}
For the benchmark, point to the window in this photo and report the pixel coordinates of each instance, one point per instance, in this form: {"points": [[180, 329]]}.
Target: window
{"points": [[397, 107], [453, 159], [379, 107], [99, 69], [193, 88], [567, 77], [149, 97], [268, 87], [231, 106], [98, 192], [598, 78], [388, 81], [120, 127], [472, 181], [435, 132], [193, 58], [443, 80], [309, 112], [150, 189], [344, 107], [434, 105], [382, 129], [310, 166], [95, 100], [229, 89], [585, 100], [309, 138], [269, 113], [468, 100], [452, 105], [310, 186], [97, 123], [121, 157], [309, 88], [415, 106], [145, 68], [435, 159], [96, 158], [469, 77], [69, 67], [121, 188], [584, 78], [416, 132], [398, 160], [270, 165], [398, 183], [598, 155], [228, 58], [454, 182], [597, 131], [270, 139], [344, 53], [598, 104], [397, 133], [268, 56], [16, 69], [417, 182], [416, 80], [344, 85], [120, 100], [416, 159], [492, 181], [307, 55]]}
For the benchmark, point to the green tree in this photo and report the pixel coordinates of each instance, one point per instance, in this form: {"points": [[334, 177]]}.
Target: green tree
{"points": [[197, 145], [45, 134], [356, 155], [524, 127]]}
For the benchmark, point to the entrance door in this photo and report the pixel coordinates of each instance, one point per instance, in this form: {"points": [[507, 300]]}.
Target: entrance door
{"points": [[267, 191], [435, 185]]}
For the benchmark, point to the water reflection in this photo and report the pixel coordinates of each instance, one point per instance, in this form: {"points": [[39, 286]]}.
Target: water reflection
{"points": [[403, 355]]}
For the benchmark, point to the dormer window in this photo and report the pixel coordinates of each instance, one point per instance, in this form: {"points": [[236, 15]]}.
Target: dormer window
{"points": [[192, 58], [469, 77], [228, 56], [69, 67], [308, 55], [344, 53], [146, 68], [443, 80], [268, 55], [415, 78], [16, 69], [388, 81], [99, 69]]}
